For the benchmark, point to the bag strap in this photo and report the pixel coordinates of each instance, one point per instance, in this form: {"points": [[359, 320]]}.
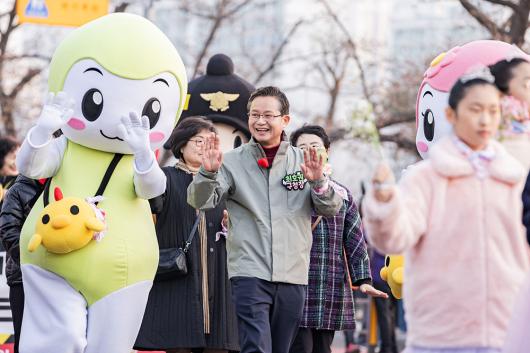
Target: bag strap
{"points": [[347, 267], [108, 173], [46, 192], [317, 221], [193, 231], [102, 185]]}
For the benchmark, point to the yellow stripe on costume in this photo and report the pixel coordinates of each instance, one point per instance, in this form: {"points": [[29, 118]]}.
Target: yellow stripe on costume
{"points": [[187, 102]]}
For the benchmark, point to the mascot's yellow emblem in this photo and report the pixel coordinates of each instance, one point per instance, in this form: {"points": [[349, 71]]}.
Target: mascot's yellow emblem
{"points": [[392, 273], [219, 101], [66, 225]]}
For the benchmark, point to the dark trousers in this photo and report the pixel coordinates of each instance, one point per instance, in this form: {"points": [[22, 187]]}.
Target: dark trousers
{"points": [[268, 314], [386, 320], [349, 337], [309, 340], [16, 301]]}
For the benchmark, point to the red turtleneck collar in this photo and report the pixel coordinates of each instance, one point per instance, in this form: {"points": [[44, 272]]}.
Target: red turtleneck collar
{"points": [[270, 153]]}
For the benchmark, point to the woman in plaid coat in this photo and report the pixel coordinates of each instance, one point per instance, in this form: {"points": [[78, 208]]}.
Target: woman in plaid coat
{"points": [[339, 260]]}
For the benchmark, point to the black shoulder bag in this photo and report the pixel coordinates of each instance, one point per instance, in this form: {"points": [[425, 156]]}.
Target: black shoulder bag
{"points": [[173, 262]]}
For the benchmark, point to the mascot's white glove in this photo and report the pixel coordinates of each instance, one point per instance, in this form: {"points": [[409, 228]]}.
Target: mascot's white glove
{"points": [[56, 111], [135, 132]]}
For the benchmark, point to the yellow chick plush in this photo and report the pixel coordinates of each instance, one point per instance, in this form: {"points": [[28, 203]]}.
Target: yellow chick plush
{"points": [[392, 273], [65, 225]]}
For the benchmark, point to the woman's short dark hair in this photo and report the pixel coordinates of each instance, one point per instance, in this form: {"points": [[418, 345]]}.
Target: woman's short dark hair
{"points": [[503, 73], [459, 90], [271, 91], [311, 130], [8, 144], [185, 130]]}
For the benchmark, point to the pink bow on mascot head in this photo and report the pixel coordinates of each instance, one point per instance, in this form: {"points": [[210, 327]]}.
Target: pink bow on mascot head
{"points": [[445, 69]]}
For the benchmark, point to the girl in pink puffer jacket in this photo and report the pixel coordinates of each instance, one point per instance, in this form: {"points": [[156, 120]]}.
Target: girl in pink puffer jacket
{"points": [[456, 216]]}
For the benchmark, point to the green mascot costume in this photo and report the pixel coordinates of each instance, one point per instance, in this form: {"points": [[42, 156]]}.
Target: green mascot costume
{"points": [[117, 87]]}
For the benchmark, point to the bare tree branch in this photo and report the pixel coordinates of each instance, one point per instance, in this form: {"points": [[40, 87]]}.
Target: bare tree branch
{"points": [[236, 9], [483, 19], [506, 23], [395, 119], [206, 44], [278, 52], [303, 86], [7, 100], [4, 35], [337, 71], [331, 68], [25, 56], [519, 23], [400, 140], [353, 47], [255, 67], [324, 77], [122, 7], [506, 3], [303, 57], [186, 9], [148, 8], [221, 14], [344, 66], [30, 74], [513, 30], [338, 134]]}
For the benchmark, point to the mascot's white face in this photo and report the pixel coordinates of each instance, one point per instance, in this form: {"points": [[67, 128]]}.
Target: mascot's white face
{"points": [[102, 98], [229, 137], [432, 123]]}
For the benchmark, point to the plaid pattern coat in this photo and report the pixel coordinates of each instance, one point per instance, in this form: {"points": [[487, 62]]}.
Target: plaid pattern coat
{"points": [[329, 301]]}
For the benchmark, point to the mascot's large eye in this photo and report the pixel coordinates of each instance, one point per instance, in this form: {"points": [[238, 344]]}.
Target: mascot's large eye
{"points": [[152, 110], [92, 104], [237, 141], [428, 124], [74, 210], [45, 219], [387, 261]]}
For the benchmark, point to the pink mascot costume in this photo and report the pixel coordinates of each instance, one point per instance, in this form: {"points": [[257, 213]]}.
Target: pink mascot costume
{"points": [[445, 69], [431, 125]]}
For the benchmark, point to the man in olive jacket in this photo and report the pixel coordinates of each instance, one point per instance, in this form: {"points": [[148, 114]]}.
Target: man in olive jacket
{"points": [[270, 188]]}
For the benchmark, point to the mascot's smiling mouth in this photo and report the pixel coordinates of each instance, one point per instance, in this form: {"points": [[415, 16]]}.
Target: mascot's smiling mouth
{"points": [[110, 138]]}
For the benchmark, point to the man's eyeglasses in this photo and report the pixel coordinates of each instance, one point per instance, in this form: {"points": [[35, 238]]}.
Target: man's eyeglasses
{"points": [[267, 117], [198, 141]]}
